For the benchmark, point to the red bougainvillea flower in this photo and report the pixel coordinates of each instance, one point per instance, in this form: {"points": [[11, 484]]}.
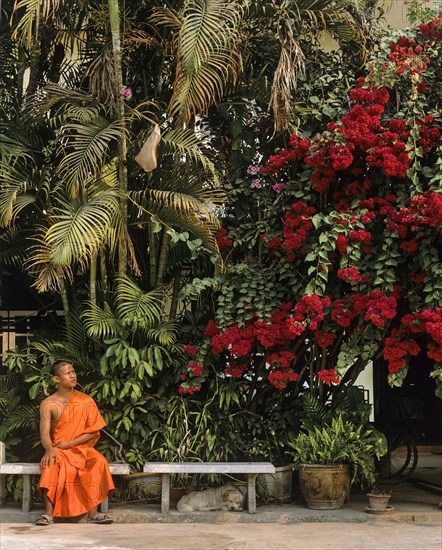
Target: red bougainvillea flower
{"points": [[280, 379], [328, 376], [189, 389], [190, 350], [211, 329], [324, 339], [195, 369], [281, 358], [222, 240]]}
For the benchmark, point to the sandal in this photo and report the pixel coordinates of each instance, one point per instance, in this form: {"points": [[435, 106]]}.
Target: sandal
{"points": [[100, 518], [44, 519]]}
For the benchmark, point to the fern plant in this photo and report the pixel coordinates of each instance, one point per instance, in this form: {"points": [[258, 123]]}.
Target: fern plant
{"points": [[341, 442]]}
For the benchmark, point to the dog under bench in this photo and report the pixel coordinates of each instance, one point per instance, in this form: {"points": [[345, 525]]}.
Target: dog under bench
{"points": [[250, 469]]}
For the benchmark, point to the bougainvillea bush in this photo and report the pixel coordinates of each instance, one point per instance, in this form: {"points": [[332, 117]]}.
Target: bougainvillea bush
{"points": [[339, 261]]}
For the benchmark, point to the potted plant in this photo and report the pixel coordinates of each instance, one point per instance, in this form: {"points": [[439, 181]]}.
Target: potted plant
{"points": [[378, 501], [331, 456]]}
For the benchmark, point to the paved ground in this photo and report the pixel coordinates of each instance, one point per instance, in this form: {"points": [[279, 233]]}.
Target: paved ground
{"points": [[414, 524], [370, 536]]}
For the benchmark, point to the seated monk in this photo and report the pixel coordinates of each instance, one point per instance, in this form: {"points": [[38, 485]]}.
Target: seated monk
{"points": [[75, 478]]}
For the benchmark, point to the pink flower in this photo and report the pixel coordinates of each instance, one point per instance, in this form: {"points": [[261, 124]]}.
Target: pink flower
{"points": [[278, 187], [126, 93]]}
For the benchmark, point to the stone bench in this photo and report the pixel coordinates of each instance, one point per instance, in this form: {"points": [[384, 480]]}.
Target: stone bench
{"points": [[250, 469], [28, 469]]}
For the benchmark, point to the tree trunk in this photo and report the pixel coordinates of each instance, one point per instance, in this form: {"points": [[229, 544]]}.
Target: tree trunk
{"points": [[162, 262], [103, 272], [93, 279], [174, 299], [114, 19], [65, 302], [153, 266]]}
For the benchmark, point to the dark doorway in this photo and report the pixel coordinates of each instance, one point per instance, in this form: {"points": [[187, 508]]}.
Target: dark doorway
{"points": [[414, 406]]}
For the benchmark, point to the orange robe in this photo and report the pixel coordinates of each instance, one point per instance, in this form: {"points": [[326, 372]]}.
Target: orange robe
{"points": [[81, 479]]}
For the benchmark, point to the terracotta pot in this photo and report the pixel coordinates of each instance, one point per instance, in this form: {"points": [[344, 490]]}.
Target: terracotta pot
{"points": [[378, 501], [324, 487]]}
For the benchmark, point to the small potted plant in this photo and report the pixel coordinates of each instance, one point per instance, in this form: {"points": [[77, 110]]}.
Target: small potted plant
{"points": [[378, 501]]}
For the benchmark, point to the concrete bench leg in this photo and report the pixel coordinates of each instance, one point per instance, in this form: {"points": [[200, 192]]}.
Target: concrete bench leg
{"points": [[104, 506], [27, 493], [251, 493], [2, 489], [165, 493]]}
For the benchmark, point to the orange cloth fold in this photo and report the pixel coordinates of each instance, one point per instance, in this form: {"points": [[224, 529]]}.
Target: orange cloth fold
{"points": [[81, 479]]}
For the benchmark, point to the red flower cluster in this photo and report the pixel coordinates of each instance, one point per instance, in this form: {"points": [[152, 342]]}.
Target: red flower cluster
{"points": [[408, 57], [360, 235], [400, 343], [417, 278], [297, 225], [397, 347], [280, 379], [342, 244], [432, 31], [429, 136], [324, 339], [239, 341], [190, 350], [274, 243], [194, 369], [351, 275], [311, 309], [222, 240], [380, 308], [235, 370], [375, 307], [328, 376], [211, 329], [422, 212], [285, 156], [282, 358], [190, 389]]}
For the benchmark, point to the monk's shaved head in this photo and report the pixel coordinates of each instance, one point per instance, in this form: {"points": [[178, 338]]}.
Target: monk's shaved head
{"points": [[58, 365]]}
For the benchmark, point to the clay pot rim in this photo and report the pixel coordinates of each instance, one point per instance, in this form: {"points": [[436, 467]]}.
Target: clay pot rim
{"points": [[312, 464]]}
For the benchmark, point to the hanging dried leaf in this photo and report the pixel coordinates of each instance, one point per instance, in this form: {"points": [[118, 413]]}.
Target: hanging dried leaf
{"points": [[147, 157]]}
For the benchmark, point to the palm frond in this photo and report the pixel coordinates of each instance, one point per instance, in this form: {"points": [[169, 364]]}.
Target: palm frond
{"points": [[136, 308], [179, 210], [84, 148], [165, 17], [77, 104], [185, 143], [80, 229], [208, 57], [48, 275], [100, 322], [24, 416], [13, 249], [165, 334], [291, 63]]}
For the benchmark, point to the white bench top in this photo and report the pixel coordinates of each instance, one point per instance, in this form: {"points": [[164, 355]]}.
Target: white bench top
{"points": [[33, 468], [209, 467]]}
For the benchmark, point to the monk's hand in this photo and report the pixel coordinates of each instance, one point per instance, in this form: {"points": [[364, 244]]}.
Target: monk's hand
{"points": [[48, 457], [63, 444]]}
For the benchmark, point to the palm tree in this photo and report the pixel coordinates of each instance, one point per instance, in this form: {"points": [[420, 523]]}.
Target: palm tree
{"points": [[78, 174]]}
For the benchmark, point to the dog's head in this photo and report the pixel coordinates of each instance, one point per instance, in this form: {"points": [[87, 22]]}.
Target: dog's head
{"points": [[233, 499]]}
